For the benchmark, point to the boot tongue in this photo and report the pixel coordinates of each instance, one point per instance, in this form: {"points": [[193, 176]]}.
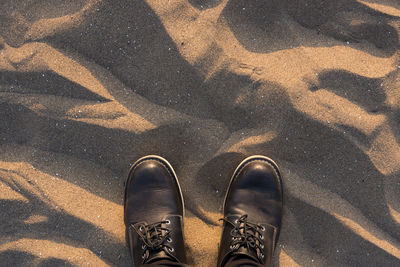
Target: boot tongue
{"points": [[247, 232], [159, 255], [251, 253]]}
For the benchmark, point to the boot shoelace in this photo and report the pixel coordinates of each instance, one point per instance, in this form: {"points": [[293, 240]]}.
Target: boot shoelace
{"points": [[248, 235], [154, 237]]}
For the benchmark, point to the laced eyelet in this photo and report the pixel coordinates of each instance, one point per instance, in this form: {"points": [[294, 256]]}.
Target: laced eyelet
{"points": [[144, 256], [262, 246], [262, 237], [171, 249], [141, 228], [232, 247], [168, 222], [262, 228], [143, 246], [236, 221], [169, 240], [262, 256]]}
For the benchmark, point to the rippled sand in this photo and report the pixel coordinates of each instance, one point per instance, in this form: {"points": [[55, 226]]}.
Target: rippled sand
{"points": [[88, 87]]}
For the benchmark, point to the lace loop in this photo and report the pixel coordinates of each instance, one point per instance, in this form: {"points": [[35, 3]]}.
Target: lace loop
{"points": [[248, 235], [154, 237]]}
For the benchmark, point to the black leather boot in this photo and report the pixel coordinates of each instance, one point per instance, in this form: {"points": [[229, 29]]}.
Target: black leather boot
{"points": [[154, 211], [252, 212]]}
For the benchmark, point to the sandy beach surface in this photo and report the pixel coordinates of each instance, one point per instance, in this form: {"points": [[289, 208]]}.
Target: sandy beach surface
{"points": [[89, 86]]}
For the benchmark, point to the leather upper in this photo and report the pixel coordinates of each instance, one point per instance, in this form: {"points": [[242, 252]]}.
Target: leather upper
{"points": [[175, 249], [152, 195], [256, 193]]}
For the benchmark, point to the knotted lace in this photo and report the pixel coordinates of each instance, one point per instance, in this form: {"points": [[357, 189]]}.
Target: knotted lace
{"points": [[247, 235], [154, 237]]}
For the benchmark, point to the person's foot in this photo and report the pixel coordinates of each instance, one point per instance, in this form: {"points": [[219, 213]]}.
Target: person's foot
{"points": [[252, 212], [154, 211]]}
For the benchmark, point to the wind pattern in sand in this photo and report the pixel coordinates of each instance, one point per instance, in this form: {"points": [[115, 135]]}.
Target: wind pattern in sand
{"points": [[88, 87]]}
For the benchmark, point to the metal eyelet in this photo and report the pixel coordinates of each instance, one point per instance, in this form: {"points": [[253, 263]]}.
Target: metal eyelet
{"points": [[262, 256], [232, 247], [236, 221], [169, 240], [262, 246], [143, 246], [141, 228], [171, 249], [168, 222], [262, 237], [144, 256], [262, 228]]}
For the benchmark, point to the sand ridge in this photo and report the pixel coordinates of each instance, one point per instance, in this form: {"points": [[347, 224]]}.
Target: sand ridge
{"points": [[89, 86]]}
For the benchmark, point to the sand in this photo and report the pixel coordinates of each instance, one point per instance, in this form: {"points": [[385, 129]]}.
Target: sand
{"points": [[88, 87]]}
